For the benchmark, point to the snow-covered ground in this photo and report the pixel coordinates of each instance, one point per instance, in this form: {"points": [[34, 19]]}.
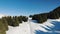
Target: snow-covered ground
{"points": [[21, 29], [51, 26]]}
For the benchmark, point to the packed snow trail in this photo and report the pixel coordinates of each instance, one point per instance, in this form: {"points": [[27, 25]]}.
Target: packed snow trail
{"points": [[29, 22]]}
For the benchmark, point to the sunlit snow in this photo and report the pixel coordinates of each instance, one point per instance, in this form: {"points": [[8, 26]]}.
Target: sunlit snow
{"points": [[33, 28]]}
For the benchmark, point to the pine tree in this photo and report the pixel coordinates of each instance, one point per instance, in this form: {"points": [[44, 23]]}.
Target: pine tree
{"points": [[20, 19], [15, 21], [4, 21], [24, 18], [2, 28], [9, 20], [30, 16]]}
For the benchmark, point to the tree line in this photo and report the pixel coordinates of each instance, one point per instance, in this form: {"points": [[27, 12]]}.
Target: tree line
{"points": [[41, 18], [11, 21]]}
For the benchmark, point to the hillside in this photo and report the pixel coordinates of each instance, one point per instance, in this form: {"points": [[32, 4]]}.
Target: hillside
{"points": [[51, 26], [41, 18]]}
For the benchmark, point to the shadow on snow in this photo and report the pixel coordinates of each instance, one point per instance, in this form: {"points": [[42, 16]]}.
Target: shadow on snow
{"points": [[54, 30]]}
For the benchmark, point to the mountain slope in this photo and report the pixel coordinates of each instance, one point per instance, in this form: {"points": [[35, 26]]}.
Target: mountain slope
{"points": [[51, 26]]}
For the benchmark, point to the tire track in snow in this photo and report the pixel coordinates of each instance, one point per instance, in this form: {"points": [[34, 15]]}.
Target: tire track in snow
{"points": [[29, 22]]}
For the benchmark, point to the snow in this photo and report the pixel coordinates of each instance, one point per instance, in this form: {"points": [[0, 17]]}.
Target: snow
{"points": [[51, 26], [21, 29]]}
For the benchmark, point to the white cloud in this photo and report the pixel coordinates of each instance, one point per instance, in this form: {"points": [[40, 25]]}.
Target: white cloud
{"points": [[2, 15]]}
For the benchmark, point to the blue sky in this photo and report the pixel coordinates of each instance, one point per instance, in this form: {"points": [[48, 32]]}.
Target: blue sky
{"points": [[27, 7]]}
